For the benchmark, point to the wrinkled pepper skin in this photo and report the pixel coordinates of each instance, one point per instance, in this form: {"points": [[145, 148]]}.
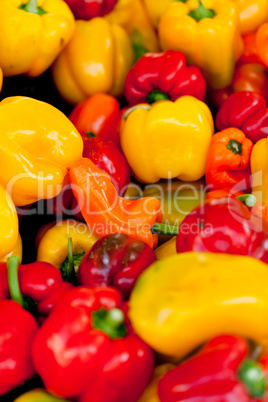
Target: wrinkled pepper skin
{"points": [[158, 76], [38, 129], [156, 141], [212, 374], [182, 301], [97, 59], [223, 225], [179, 31], [9, 225], [228, 160], [53, 245], [259, 170], [246, 111], [132, 16], [87, 9], [106, 156], [39, 37], [98, 115], [115, 260], [17, 328], [38, 395], [105, 212], [90, 364]]}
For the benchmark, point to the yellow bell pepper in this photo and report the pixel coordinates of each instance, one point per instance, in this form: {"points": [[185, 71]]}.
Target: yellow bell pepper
{"points": [[252, 13], [132, 16], [181, 302], [168, 139], [53, 246], [259, 170], [32, 36], [150, 394], [213, 42], [38, 145], [38, 395], [17, 250], [155, 9], [9, 231], [167, 249], [97, 59]]}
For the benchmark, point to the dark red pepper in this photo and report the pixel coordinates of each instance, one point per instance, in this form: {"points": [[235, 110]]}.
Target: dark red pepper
{"points": [[247, 111], [17, 330], [159, 76], [220, 372], [85, 350], [106, 156], [115, 260], [223, 225], [87, 9]]}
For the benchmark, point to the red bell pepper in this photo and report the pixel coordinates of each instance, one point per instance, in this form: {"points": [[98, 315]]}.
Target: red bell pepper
{"points": [[246, 111], [87, 9], [220, 372], [228, 160], [106, 156], [85, 350], [17, 330], [99, 115], [250, 52], [115, 260], [159, 76], [223, 225]]}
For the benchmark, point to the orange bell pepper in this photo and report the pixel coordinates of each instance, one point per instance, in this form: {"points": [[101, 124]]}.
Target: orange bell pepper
{"points": [[262, 43], [105, 212], [228, 160], [260, 209]]}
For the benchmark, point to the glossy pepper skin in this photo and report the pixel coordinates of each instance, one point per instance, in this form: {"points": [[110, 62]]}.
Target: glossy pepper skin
{"points": [[87, 9], [228, 160], [213, 374], [184, 300], [246, 111], [17, 328], [9, 226], [259, 170], [98, 115], [107, 157], [261, 43], [105, 212], [252, 14], [132, 16], [43, 32], [178, 30], [92, 364], [188, 127], [97, 59], [115, 260], [159, 76], [52, 244], [38, 129], [39, 281], [223, 225]]}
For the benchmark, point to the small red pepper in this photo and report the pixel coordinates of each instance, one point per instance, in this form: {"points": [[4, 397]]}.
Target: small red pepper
{"points": [[220, 372], [115, 260], [228, 160], [17, 331], [246, 111], [159, 76], [85, 350], [87, 9], [106, 156], [223, 225], [98, 115]]}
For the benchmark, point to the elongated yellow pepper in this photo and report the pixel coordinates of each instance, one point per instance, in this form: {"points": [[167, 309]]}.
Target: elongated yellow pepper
{"points": [[168, 139], [9, 231], [182, 301], [38, 145], [213, 42], [259, 170], [32, 36], [97, 59]]}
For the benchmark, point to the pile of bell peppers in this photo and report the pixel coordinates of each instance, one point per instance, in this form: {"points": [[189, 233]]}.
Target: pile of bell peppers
{"points": [[144, 278]]}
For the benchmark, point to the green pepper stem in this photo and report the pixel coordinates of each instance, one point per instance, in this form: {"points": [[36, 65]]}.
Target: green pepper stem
{"points": [[201, 12], [13, 279], [252, 375], [248, 199], [32, 7], [110, 321], [90, 134], [235, 147], [161, 228], [70, 258], [156, 96]]}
